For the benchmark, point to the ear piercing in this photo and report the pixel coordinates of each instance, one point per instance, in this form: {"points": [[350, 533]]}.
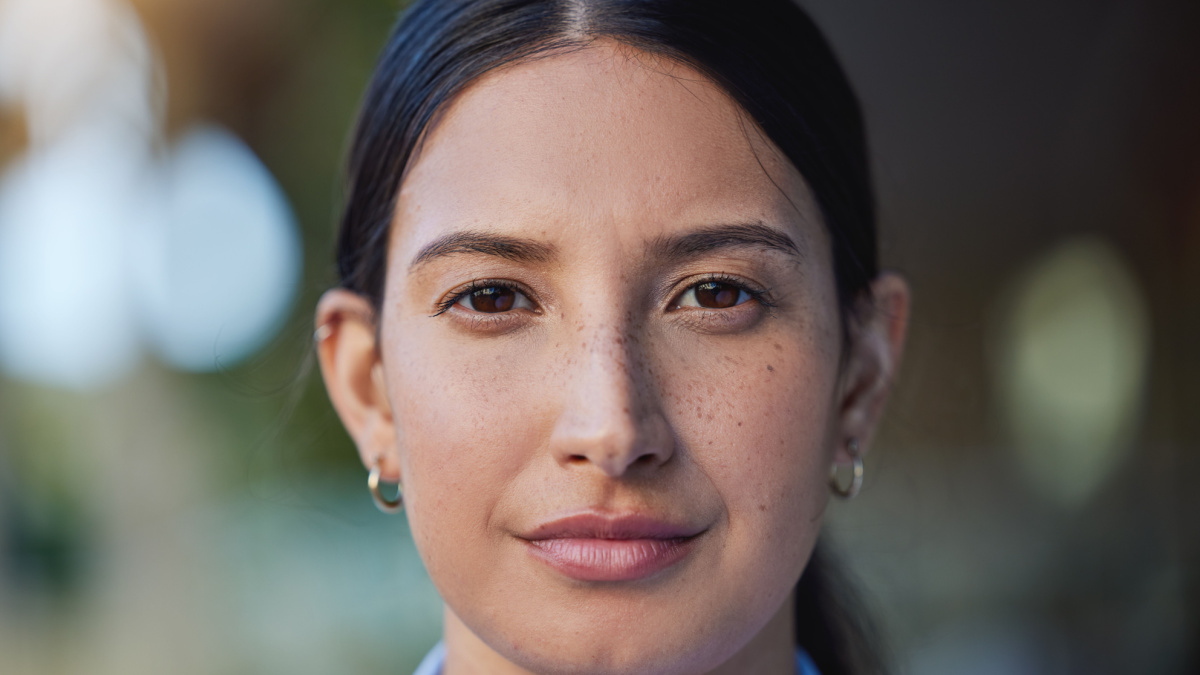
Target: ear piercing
{"points": [[386, 505], [850, 491]]}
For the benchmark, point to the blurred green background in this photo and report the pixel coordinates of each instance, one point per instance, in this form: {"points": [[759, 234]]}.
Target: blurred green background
{"points": [[177, 496]]}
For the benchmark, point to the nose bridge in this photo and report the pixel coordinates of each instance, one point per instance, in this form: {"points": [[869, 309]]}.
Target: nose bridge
{"points": [[610, 417]]}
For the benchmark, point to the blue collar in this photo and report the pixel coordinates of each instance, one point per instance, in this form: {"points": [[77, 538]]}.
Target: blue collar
{"points": [[432, 663]]}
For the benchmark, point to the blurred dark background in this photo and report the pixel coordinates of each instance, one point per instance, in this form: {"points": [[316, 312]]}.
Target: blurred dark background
{"points": [[177, 496]]}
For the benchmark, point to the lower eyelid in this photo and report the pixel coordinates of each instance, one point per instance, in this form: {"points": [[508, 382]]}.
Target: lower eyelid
{"points": [[479, 321], [740, 317]]}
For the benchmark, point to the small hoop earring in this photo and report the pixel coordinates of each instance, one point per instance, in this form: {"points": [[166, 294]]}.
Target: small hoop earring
{"points": [[850, 491], [322, 333], [386, 505]]}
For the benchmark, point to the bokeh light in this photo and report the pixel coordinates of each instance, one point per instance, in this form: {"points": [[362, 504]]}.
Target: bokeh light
{"points": [[1071, 367], [219, 258], [113, 238]]}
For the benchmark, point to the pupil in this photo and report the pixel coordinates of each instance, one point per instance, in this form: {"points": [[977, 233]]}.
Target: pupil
{"points": [[493, 299], [715, 295]]}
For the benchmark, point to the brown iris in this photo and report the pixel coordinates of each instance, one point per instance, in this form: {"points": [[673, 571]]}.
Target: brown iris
{"points": [[716, 295], [493, 299]]}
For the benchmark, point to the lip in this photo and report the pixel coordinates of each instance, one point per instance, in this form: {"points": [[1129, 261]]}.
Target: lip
{"points": [[601, 547]]}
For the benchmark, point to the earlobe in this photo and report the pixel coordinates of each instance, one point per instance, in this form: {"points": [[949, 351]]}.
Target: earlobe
{"points": [[876, 347], [353, 373]]}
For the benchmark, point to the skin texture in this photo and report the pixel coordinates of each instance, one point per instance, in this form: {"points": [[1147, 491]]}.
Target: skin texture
{"points": [[605, 389]]}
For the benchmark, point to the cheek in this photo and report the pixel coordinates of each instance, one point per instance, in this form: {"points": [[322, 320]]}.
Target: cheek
{"points": [[760, 424], [464, 436]]}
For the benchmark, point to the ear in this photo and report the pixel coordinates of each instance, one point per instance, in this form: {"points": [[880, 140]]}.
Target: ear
{"points": [[876, 343], [353, 373]]}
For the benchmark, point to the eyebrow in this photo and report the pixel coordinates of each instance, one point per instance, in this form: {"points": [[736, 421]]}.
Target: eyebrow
{"points": [[672, 248], [717, 237], [486, 243]]}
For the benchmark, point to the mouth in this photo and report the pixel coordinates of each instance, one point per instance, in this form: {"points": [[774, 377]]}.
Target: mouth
{"points": [[598, 547]]}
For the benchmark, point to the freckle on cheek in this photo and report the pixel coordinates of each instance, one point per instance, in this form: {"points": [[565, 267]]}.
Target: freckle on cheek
{"points": [[770, 368]]}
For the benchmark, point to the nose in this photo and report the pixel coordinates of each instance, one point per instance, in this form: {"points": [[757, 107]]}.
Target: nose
{"points": [[610, 418]]}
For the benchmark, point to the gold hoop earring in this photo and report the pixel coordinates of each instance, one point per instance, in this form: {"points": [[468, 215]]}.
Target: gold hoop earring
{"points": [[386, 505], [851, 490]]}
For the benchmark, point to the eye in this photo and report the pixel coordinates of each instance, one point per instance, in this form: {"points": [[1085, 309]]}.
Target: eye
{"points": [[492, 299], [714, 295]]}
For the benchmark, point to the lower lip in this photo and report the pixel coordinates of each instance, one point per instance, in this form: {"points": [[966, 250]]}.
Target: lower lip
{"points": [[610, 559]]}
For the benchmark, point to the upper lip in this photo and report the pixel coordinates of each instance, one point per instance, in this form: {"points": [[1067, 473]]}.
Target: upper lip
{"points": [[610, 526]]}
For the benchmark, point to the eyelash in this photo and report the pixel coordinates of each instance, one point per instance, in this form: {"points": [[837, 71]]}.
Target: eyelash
{"points": [[451, 300], [759, 295]]}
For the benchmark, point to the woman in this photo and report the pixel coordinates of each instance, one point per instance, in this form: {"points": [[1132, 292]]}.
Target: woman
{"points": [[609, 312]]}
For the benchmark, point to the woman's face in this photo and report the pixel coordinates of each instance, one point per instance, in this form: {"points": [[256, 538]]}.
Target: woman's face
{"points": [[609, 371]]}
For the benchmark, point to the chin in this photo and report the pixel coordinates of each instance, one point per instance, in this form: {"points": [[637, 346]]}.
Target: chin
{"points": [[606, 658], [650, 637]]}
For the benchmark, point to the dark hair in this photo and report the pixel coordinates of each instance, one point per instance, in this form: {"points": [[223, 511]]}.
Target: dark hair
{"points": [[767, 54]]}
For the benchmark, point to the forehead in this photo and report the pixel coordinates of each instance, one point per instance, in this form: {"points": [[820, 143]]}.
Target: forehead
{"points": [[600, 141]]}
